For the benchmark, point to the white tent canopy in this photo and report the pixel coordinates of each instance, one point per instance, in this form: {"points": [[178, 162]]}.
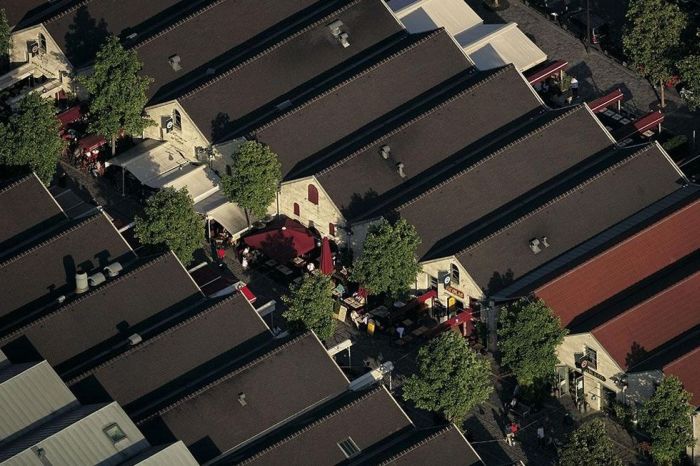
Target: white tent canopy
{"points": [[487, 45], [227, 214]]}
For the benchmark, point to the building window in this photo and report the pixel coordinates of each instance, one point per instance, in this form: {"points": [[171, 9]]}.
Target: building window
{"points": [[349, 447], [592, 356], [331, 229], [114, 433], [177, 119], [42, 43], [433, 282], [313, 194], [296, 209], [455, 274]]}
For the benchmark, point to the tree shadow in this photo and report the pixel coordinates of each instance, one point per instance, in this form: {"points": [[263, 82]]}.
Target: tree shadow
{"points": [[85, 36], [636, 355], [221, 126], [499, 281], [359, 203]]}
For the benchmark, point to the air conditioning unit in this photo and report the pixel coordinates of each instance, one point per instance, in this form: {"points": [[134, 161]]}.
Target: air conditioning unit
{"points": [[135, 339], [81, 282], [96, 279]]}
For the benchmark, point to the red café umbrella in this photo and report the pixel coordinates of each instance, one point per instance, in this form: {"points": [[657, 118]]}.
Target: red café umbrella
{"points": [[284, 242], [326, 257]]}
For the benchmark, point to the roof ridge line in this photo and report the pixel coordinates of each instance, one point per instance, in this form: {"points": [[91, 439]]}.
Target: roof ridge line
{"points": [[83, 297], [65, 12], [177, 23], [416, 445], [223, 378], [52, 239], [681, 357], [416, 119], [268, 50], [489, 157], [408, 48], [314, 424], [666, 290], [17, 182], [554, 200], [159, 336]]}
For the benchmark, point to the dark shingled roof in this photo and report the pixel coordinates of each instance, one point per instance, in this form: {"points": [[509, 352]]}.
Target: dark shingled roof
{"points": [[447, 447], [211, 32], [574, 216], [24, 13], [358, 182], [575, 292], [98, 315], [186, 346], [278, 386], [41, 274], [424, 63], [504, 175], [285, 66], [27, 209], [80, 30], [368, 421]]}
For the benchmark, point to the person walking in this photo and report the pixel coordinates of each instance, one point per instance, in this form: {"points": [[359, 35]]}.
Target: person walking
{"points": [[540, 435]]}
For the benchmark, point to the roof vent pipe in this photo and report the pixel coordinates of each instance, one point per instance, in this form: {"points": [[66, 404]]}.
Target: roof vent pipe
{"points": [[399, 167], [113, 269], [241, 399], [135, 339], [535, 245], [385, 151], [96, 279], [81, 282]]}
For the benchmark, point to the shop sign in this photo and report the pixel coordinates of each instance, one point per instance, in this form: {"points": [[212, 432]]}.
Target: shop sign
{"points": [[454, 291], [590, 371]]}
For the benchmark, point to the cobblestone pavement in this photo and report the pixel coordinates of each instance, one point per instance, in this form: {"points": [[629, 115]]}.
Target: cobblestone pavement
{"points": [[596, 72]]}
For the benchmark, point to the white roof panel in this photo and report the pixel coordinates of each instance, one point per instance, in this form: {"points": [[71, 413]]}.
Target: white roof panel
{"points": [[426, 15], [495, 45]]}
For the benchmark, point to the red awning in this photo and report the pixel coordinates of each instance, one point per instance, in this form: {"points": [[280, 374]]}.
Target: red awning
{"points": [[248, 294], [326, 257], [69, 116], [426, 296], [92, 142], [599, 105], [640, 125], [283, 242], [551, 70]]}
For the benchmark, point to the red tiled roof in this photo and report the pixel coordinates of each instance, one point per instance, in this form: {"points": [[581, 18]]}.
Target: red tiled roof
{"points": [[686, 369], [654, 321], [623, 265]]}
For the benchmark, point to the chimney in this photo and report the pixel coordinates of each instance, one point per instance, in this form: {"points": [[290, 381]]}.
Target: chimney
{"points": [[399, 167], [81, 282]]}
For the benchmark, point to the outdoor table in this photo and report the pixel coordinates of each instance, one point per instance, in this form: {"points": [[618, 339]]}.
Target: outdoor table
{"points": [[298, 262], [419, 331], [407, 322], [284, 269], [353, 303], [271, 262]]}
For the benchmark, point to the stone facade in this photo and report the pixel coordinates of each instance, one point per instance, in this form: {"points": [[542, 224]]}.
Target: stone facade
{"points": [[294, 202], [185, 137], [462, 287]]}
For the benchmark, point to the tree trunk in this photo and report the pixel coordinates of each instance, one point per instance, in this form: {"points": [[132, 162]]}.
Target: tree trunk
{"points": [[114, 145], [663, 96]]}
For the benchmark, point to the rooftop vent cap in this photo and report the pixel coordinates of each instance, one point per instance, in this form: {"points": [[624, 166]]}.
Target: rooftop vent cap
{"points": [[81, 282], [241, 399], [399, 168], [535, 245], [96, 279], [174, 61], [545, 241], [135, 339], [344, 39], [61, 299], [113, 269], [385, 151]]}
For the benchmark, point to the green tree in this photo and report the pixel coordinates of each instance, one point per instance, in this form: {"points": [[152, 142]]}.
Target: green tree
{"points": [[29, 139], [589, 445], [388, 263], [689, 69], [528, 337], [256, 176], [452, 378], [310, 306], [118, 93], [170, 220], [5, 42], [652, 38], [666, 417]]}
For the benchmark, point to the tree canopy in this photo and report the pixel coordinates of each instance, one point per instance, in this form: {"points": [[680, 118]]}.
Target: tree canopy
{"points": [[652, 37], [452, 378], [118, 93], [170, 220], [666, 417], [589, 445], [528, 337], [256, 173], [29, 139], [388, 263], [689, 70], [5, 41], [310, 306]]}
